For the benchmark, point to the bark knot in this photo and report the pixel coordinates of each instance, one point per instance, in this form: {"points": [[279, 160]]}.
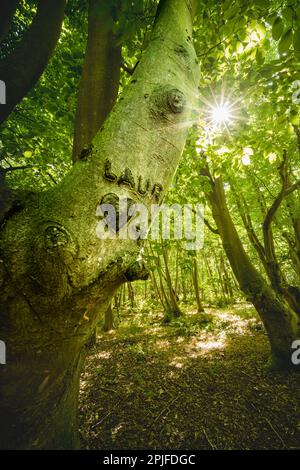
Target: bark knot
{"points": [[167, 101], [55, 237], [176, 101], [86, 152]]}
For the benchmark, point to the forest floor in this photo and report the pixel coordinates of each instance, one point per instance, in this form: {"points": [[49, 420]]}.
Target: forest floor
{"points": [[199, 383]]}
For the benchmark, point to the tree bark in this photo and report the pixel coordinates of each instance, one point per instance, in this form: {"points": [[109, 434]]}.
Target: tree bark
{"points": [[23, 67], [165, 301], [98, 88], [175, 309], [200, 308], [108, 319], [100, 79], [56, 275]]}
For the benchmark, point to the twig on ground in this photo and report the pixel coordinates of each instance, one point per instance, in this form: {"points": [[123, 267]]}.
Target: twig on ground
{"points": [[106, 416], [165, 409], [109, 390], [208, 440], [271, 425], [274, 430]]}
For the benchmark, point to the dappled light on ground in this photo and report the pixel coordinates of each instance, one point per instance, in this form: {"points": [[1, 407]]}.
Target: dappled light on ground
{"points": [[200, 382]]}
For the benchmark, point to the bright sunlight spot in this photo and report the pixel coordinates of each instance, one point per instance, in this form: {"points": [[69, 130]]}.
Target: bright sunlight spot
{"points": [[221, 114]]}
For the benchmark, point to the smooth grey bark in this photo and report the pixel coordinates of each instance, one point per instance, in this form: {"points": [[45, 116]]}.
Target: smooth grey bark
{"points": [[56, 275]]}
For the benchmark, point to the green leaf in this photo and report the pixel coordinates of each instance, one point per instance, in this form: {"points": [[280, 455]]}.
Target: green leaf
{"points": [[259, 57], [261, 29], [239, 47], [277, 28], [27, 154], [296, 40], [262, 3], [294, 117], [231, 12], [286, 41], [288, 14], [271, 18]]}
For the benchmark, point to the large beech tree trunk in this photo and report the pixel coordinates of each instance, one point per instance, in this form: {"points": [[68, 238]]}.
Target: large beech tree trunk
{"points": [[281, 322], [98, 88], [56, 275]]}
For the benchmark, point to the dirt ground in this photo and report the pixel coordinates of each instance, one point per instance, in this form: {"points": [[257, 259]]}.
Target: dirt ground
{"points": [[199, 383]]}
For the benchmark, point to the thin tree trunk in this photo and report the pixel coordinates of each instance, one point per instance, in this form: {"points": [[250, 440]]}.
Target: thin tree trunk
{"points": [[211, 277], [130, 295], [167, 302], [221, 281], [176, 270], [108, 319], [159, 293], [196, 285], [173, 301], [184, 293]]}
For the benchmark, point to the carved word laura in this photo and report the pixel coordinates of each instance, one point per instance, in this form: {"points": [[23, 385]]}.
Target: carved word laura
{"points": [[126, 178]]}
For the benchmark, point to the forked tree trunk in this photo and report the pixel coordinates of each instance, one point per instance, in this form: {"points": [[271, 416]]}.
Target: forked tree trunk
{"points": [[56, 275], [281, 322]]}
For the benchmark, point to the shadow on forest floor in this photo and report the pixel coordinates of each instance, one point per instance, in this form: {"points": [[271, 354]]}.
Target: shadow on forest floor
{"points": [[199, 383]]}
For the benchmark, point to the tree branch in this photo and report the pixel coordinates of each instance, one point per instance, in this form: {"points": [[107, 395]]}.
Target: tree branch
{"points": [[285, 191], [273, 268], [292, 188], [243, 210], [3, 171], [210, 227]]}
